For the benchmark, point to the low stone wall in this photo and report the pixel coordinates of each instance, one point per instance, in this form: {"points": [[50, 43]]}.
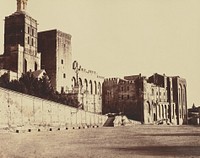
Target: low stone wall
{"points": [[20, 110]]}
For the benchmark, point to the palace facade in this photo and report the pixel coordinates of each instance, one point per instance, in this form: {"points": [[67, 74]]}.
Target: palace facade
{"points": [[148, 100], [26, 49], [158, 98]]}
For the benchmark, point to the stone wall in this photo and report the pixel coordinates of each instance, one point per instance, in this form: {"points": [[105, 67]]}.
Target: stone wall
{"points": [[20, 110]]}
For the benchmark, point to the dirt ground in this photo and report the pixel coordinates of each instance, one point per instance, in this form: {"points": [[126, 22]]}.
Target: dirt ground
{"points": [[137, 141]]}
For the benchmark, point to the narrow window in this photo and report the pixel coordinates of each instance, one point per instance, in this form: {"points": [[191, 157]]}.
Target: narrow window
{"points": [[149, 108], [128, 97], [25, 66], [28, 40], [35, 66], [23, 5], [62, 61], [32, 42], [64, 76], [32, 32], [62, 89]]}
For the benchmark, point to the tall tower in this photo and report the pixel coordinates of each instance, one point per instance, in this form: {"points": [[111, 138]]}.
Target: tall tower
{"points": [[55, 48], [21, 34]]}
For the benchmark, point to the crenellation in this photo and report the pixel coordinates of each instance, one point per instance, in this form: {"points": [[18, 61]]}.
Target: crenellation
{"points": [[156, 95]]}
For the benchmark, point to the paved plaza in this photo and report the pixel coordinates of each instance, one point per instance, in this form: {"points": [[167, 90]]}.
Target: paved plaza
{"points": [[120, 142]]}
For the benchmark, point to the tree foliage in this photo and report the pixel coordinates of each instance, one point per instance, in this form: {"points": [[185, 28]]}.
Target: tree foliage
{"points": [[41, 88]]}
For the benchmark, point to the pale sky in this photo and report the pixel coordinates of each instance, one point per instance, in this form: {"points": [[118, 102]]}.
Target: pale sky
{"points": [[125, 37]]}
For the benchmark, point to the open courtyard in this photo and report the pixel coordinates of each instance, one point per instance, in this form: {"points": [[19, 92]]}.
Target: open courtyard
{"points": [[119, 142]]}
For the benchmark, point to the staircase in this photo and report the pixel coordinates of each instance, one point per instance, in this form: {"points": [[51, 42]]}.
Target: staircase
{"points": [[109, 122]]}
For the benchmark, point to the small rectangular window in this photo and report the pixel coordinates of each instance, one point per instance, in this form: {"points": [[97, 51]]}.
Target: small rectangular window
{"points": [[64, 76], [32, 32], [32, 42], [62, 89], [28, 40], [62, 61]]}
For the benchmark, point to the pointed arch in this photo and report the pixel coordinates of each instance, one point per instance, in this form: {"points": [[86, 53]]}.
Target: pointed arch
{"points": [[85, 84], [95, 87], [91, 87], [149, 107], [99, 88], [73, 82], [80, 83]]}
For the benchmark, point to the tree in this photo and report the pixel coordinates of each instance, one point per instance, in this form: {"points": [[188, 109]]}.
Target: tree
{"points": [[41, 88], [4, 80]]}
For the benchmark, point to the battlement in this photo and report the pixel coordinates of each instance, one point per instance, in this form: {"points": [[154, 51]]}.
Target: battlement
{"points": [[79, 68]]}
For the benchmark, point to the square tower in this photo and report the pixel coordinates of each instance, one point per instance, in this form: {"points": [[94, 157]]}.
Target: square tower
{"points": [[21, 31], [55, 48]]}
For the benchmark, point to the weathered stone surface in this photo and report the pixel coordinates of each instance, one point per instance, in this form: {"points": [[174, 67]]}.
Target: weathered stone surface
{"points": [[19, 110]]}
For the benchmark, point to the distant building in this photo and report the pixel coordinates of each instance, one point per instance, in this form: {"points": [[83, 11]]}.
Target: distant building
{"points": [[194, 115], [158, 98]]}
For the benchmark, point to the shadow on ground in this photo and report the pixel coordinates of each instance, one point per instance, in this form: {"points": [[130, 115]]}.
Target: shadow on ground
{"points": [[187, 151]]}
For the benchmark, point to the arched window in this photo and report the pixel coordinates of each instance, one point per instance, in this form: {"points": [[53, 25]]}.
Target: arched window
{"points": [[86, 85], [28, 29], [91, 87], [99, 88], [149, 107], [80, 84], [95, 87], [73, 82]]}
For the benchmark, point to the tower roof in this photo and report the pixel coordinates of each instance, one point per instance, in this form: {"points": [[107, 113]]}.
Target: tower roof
{"points": [[21, 5]]}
